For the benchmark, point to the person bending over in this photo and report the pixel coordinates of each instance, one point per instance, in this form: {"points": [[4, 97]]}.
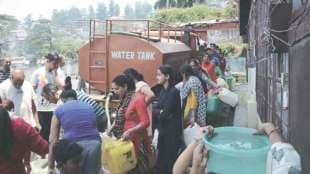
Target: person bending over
{"points": [[68, 156]]}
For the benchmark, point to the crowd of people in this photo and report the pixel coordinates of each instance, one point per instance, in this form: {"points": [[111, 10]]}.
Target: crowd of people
{"points": [[46, 116]]}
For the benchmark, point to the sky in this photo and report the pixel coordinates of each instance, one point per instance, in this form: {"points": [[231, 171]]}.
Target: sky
{"points": [[21, 8]]}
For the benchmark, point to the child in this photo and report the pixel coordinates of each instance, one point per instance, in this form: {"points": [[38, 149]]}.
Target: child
{"points": [[68, 156]]}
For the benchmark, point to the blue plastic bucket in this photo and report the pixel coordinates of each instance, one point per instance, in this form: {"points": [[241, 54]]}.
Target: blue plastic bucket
{"points": [[235, 150]]}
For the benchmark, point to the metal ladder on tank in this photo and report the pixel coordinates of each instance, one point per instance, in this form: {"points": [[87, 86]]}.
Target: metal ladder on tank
{"points": [[93, 35], [170, 31]]}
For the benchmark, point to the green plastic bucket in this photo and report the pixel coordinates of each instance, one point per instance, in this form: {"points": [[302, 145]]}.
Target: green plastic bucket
{"points": [[235, 150], [229, 81], [214, 105]]}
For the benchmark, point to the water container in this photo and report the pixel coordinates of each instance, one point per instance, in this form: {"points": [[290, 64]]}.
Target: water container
{"points": [[235, 150], [229, 80], [214, 105], [191, 132], [222, 83], [119, 156], [228, 97]]}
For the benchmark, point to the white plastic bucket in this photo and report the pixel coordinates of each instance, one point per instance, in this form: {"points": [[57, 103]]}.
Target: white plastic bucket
{"points": [[228, 97]]}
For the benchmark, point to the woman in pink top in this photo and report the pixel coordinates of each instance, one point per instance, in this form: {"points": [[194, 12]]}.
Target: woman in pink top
{"points": [[16, 139], [143, 88], [132, 120]]}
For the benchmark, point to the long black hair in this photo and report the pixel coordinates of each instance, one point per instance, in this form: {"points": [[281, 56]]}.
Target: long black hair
{"points": [[187, 70], [49, 89], [6, 135], [167, 70], [68, 84], [124, 80], [134, 74], [65, 150], [68, 92]]}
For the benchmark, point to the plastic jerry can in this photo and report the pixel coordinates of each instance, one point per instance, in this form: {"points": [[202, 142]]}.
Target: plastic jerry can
{"points": [[119, 156]]}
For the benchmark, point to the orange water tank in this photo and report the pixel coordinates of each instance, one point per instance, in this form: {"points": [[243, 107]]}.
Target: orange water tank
{"points": [[103, 58]]}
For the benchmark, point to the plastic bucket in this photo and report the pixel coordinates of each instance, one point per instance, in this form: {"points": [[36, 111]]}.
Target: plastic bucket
{"points": [[228, 97], [235, 150], [214, 105]]}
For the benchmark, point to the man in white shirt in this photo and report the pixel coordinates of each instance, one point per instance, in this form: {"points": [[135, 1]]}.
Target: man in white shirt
{"points": [[21, 93], [41, 77]]}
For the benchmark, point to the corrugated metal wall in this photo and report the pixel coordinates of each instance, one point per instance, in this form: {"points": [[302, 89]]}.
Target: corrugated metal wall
{"points": [[282, 78], [299, 82], [271, 68]]}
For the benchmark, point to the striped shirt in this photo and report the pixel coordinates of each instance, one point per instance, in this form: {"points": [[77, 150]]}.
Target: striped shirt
{"points": [[4, 75], [99, 110]]}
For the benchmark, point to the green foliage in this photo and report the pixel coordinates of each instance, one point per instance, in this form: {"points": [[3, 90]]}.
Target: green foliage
{"points": [[231, 10], [28, 22], [160, 4], [174, 3], [117, 10], [39, 39], [114, 9], [129, 12], [42, 40], [232, 49], [68, 46], [7, 24], [142, 9], [91, 12], [186, 15], [101, 12]]}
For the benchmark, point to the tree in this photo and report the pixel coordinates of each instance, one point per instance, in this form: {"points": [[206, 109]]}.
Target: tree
{"points": [[176, 3], [181, 3], [186, 15], [129, 12], [28, 22], [111, 8], [7, 24], [39, 39], [159, 4], [231, 9], [68, 46], [101, 12], [91, 12], [73, 14], [59, 18], [142, 9], [116, 10]]}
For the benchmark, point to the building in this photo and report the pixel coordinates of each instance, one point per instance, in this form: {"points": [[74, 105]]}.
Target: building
{"points": [[217, 31], [278, 37]]}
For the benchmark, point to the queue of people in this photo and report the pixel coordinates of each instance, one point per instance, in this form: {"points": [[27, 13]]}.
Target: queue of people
{"points": [[50, 106], [46, 116]]}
